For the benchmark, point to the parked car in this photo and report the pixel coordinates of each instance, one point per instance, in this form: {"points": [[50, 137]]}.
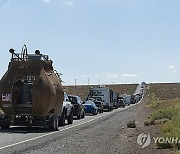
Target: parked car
{"points": [[99, 103], [90, 107], [78, 107], [66, 111]]}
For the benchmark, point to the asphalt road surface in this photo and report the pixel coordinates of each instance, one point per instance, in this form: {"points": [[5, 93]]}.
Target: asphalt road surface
{"points": [[88, 135]]}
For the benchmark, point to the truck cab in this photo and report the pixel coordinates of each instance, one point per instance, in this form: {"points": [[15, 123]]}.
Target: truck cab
{"points": [[106, 95]]}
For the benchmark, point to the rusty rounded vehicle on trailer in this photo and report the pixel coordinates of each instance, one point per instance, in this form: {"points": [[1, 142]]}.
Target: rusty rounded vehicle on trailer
{"points": [[31, 91]]}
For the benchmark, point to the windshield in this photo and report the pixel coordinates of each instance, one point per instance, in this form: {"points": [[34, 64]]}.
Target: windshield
{"points": [[73, 99]]}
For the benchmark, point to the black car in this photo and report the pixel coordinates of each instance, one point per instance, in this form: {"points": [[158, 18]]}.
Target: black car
{"points": [[121, 102], [78, 107]]}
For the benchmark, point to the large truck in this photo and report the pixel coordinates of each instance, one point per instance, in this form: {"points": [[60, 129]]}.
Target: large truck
{"points": [[31, 92], [106, 95]]}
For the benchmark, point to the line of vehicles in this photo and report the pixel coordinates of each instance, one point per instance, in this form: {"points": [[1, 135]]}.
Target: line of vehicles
{"points": [[100, 99], [32, 95]]}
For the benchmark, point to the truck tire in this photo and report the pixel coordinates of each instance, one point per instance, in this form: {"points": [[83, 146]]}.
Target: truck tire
{"points": [[62, 119], [70, 118], [54, 123]]}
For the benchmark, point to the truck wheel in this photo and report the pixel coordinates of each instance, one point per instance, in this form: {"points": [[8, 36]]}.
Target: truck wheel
{"points": [[54, 123], [62, 119], [70, 118]]}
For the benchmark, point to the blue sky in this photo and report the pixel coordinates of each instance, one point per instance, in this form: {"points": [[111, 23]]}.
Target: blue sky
{"points": [[105, 41]]}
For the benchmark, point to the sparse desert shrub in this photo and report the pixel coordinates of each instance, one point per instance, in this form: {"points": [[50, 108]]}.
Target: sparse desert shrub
{"points": [[131, 124], [151, 122], [162, 114], [161, 121], [146, 123]]}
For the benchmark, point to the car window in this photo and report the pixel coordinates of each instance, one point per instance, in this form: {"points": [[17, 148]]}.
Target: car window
{"points": [[73, 100], [79, 100], [88, 102]]}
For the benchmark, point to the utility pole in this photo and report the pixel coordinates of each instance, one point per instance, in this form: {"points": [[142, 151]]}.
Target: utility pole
{"points": [[75, 80], [98, 81], [88, 81]]}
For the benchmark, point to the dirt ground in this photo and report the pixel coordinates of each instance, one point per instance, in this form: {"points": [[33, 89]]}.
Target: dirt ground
{"points": [[143, 111]]}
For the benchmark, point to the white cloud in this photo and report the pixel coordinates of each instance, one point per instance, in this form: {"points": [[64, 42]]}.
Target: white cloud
{"points": [[47, 1], [130, 75], [171, 67], [112, 75], [69, 2]]}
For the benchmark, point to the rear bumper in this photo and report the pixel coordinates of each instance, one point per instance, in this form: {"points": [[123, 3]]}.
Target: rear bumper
{"points": [[89, 110], [36, 121]]}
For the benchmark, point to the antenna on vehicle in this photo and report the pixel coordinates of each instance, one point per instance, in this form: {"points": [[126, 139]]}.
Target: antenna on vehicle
{"points": [[37, 52], [13, 53]]}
